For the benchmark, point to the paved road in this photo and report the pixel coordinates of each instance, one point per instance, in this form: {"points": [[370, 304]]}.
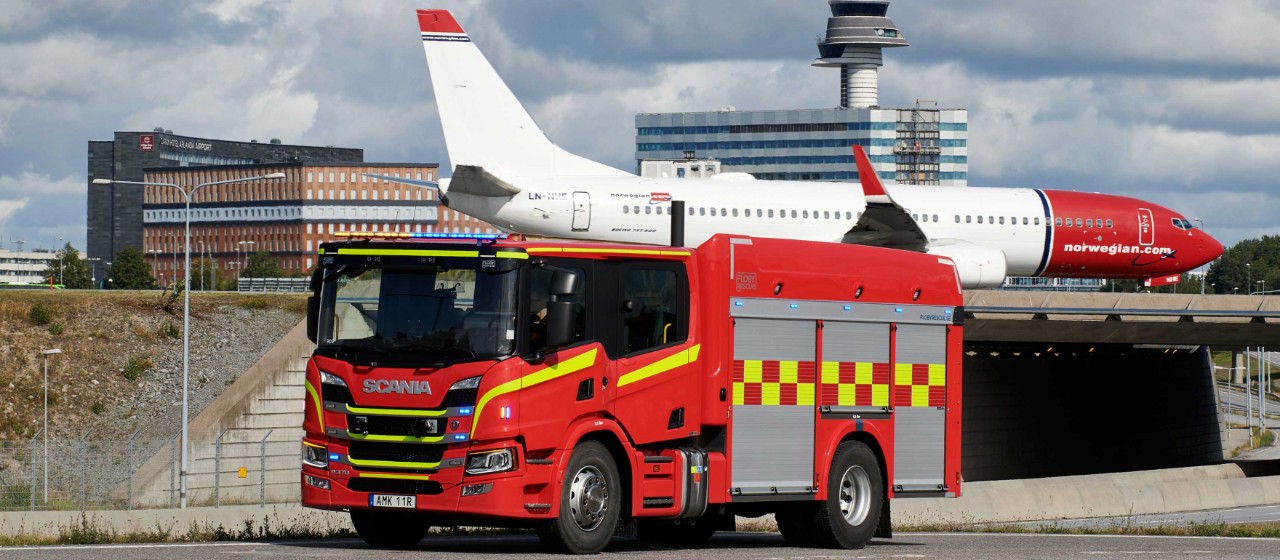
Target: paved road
{"points": [[750, 546]]}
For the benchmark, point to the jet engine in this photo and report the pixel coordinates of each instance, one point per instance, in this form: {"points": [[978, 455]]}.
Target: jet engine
{"points": [[979, 266]]}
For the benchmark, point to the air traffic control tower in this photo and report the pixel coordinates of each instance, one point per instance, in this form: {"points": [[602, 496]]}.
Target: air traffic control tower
{"points": [[856, 32], [920, 144]]}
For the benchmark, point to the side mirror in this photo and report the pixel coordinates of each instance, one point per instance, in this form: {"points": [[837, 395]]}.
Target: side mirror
{"points": [[561, 319], [313, 317], [564, 282]]}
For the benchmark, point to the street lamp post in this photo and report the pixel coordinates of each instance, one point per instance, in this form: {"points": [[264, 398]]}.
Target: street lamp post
{"points": [[1262, 287], [1248, 268], [155, 256], [60, 261], [46, 354], [186, 300]]}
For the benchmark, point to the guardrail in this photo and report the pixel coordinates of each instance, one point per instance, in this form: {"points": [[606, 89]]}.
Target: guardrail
{"points": [[289, 285]]}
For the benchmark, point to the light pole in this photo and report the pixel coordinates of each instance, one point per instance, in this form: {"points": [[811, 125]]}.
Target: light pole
{"points": [[93, 271], [1204, 270], [46, 354], [1248, 268], [155, 256], [243, 258], [202, 265], [186, 300], [61, 260], [1262, 287]]}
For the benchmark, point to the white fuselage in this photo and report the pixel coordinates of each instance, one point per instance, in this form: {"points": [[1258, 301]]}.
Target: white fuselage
{"points": [[625, 209]]}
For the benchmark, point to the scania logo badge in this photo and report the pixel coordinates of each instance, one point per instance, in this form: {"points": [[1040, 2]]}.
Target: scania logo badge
{"points": [[385, 386]]}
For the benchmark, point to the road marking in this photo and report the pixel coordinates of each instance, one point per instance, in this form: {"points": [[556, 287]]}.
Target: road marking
{"points": [[1233, 539]]}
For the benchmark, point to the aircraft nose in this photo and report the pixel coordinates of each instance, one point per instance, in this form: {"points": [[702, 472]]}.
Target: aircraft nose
{"points": [[1210, 248]]}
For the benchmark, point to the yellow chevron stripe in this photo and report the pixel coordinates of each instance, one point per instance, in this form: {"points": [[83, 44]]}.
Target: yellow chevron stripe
{"points": [[548, 373], [315, 398], [681, 358]]}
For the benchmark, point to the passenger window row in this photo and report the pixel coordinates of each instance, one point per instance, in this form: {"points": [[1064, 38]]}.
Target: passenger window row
{"points": [[1085, 222], [746, 212]]}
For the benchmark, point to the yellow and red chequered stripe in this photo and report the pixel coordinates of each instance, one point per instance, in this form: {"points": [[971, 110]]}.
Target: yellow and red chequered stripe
{"points": [[773, 382], [854, 384], [919, 385]]}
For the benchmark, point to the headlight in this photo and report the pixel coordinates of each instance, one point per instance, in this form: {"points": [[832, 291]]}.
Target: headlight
{"points": [[488, 462], [331, 379], [316, 481], [468, 383], [315, 455]]}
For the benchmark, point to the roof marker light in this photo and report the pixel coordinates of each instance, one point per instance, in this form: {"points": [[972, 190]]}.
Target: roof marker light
{"points": [[420, 235]]}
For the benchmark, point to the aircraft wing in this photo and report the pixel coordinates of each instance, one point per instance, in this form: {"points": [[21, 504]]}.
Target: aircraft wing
{"points": [[884, 223]]}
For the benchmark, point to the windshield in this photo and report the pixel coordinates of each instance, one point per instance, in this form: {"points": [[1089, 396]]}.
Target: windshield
{"points": [[433, 314]]}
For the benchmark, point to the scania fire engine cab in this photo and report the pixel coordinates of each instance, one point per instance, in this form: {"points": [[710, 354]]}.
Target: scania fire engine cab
{"points": [[577, 388]]}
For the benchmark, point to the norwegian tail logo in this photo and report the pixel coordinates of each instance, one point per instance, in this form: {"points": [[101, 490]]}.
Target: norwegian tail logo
{"points": [[484, 124]]}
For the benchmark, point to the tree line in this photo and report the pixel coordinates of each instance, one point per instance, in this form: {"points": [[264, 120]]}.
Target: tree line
{"points": [[131, 271]]}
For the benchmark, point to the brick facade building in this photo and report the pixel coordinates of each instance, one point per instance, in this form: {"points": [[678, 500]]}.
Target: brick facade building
{"points": [[288, 218]]}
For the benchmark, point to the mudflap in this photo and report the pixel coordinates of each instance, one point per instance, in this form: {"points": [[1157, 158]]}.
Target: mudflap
{"points": [[885, 529]]}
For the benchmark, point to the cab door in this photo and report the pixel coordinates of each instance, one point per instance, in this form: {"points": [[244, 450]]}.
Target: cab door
{"points": [[581, 211]]}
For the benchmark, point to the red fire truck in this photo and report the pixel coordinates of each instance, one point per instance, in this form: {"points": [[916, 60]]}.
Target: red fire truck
{"points": [[580, 387]]}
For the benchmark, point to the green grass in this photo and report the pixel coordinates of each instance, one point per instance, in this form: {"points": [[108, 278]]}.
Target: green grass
{"points": [[1207, 529], [136, 367], [85, 531]]}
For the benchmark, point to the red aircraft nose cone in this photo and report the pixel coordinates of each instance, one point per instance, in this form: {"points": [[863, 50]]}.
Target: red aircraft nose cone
{"points": [[1210, 248]]}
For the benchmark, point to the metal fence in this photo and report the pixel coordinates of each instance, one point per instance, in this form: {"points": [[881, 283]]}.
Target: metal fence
{"points": [[250, 466], [296, 285]]}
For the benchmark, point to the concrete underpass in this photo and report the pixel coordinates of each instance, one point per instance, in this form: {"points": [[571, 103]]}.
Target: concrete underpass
{"points": [[1060, 384]]}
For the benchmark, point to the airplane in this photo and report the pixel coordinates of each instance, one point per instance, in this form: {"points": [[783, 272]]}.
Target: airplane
{"points": [[508, 173]]}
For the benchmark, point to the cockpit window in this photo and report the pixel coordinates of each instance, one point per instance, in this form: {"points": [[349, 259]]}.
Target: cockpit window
{"points": [[1182, 223]]}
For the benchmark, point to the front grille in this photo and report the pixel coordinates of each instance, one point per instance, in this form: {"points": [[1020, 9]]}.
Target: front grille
{"points": [[334, 393], [400, 452], [459, 397], [399, 426], [395, 486]]}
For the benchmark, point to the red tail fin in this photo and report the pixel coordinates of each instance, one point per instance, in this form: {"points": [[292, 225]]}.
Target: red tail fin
{"points": [[871, 185], [438, 21]]}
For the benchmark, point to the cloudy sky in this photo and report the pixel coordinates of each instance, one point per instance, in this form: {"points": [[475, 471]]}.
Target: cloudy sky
{"points": [[1174, 101]]}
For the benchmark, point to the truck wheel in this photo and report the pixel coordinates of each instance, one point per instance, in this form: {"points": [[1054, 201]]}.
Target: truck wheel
{"points": [[590, 503], [793, 523], [389, 529], [661, 530], [855, 494]]}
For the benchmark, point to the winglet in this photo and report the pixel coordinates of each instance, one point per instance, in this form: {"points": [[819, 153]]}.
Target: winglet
{"points": [[871, 185], [438, 21]]}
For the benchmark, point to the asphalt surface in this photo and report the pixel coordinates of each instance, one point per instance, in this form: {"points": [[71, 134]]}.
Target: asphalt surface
{"points": [[752, 546]]}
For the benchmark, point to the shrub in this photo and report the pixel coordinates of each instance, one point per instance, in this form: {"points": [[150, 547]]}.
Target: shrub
{"points": [[136, 367], [56, 329], [170, 330], [98, 408], [256, 302], [40, 314]]}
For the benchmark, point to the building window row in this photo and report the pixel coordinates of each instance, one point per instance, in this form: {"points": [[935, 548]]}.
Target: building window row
{"points": [[777, 144], [800, 127]]}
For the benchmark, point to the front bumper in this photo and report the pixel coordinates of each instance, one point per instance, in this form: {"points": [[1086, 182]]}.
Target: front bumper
{"points": [[526, 492]]}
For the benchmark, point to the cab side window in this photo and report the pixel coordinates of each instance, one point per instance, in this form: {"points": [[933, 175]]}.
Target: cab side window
{"points": [[539, 295], [654, 307]]}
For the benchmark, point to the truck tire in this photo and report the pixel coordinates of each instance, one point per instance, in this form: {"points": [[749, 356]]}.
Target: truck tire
{"points": [[662, 530], [590, 503], [793, 522], [855, 494], [389, 529]]}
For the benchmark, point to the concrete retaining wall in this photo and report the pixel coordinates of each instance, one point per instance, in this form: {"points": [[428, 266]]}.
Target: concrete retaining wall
{"points": [[265, 402], [1108, 495]]}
